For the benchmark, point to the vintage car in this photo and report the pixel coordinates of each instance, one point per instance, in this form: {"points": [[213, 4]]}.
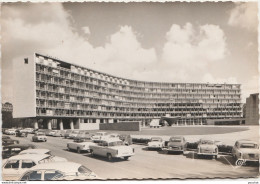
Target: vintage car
{"points": [[245, 151], [67, 133], [51, 133], [6, 140], [15, 166], [83, 134], [80, 145], [127, 139], [39, 136], [73, 134], [58, 171], [36, 151], [20, 133], [207, 147], [28, 130], [112, 148], [14, 149], [59, 133], [156, 143], [176, 144], [99, 136], [10, 131]]}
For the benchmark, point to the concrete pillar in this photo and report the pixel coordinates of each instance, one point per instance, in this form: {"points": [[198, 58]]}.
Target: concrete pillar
{"points": [[185, 122], [110, 121], [193, 122], [49, 124], [61, 124], [35, 124], [71, 124], [98, 121]]}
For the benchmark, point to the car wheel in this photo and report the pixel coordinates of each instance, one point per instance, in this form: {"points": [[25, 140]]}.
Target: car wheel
{"points": [[126, 158], [78, 150], [91, 152], [216, 157], [109, 156], [45, 140]]}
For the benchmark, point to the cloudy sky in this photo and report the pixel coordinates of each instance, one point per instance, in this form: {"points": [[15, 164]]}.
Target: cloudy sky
{"points": [[172, 42]]}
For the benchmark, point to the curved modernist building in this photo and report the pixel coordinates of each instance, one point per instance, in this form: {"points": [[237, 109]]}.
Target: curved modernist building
{"points": [[78, 97]]}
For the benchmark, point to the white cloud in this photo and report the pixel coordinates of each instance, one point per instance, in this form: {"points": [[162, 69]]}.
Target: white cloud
{"points": [[188, 52], [86, 30], [251, 87], [244, 15]]}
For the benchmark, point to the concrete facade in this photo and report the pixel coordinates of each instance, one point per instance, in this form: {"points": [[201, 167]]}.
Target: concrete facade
{"points": [[252, 109], [85, 98]]}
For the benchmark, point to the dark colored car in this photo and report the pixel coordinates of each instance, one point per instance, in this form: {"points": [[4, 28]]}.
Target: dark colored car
{"points": [[127, 139], [15, 149], [6, 140], [20, 133]]}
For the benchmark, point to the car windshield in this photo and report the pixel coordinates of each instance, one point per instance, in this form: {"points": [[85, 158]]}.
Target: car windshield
{"points": [[206, 142], [175, 139], [156, 139], [46, 160], [116, 143], [40, 133], [248, 145]]}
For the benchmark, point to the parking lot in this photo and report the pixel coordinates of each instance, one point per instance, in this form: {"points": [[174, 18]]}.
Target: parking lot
{"points": [[149, 164]]}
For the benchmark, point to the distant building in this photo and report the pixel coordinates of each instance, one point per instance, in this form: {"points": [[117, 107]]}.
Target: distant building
{"points": [[7, 107], [252, 109]]}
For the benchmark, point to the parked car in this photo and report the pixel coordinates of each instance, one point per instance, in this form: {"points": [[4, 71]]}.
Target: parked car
{"points": [[45, 131], [156, 143], [6, 140], [176, 144], [28, 130], [112, 149], [51, 133], [58, 171], [207, 147], [80, 145], [21, 133], [15, 149], [15, 166], [59, 133], [97, 137], [36, 151], [83, 134], [73, 134], [245, 151], [67, 133], [10, 131], [39, 136], [127, 139]]}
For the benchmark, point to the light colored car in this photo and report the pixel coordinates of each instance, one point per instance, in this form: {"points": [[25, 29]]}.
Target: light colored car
{"points": [[73, 134], [156, 143], [207, 147], [176, 144], [59, 133], [51, 133], [39, 136], [83, 134], [99, 136], [112, 148], [10, 131], [67, 133], [28, 130], [80, 145], [58, 171], [15, 166], [245, 151], [35, 151]]}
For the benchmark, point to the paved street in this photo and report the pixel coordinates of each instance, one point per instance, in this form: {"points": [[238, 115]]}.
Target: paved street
{"points": [[149, 164]]}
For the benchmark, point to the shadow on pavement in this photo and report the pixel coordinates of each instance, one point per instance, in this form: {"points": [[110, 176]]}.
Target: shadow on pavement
{"points": [[114, 160]]}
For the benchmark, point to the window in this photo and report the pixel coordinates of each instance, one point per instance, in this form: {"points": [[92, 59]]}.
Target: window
{"points": [[49, 175], [32, 176], [27, 164], [12, 164]]}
